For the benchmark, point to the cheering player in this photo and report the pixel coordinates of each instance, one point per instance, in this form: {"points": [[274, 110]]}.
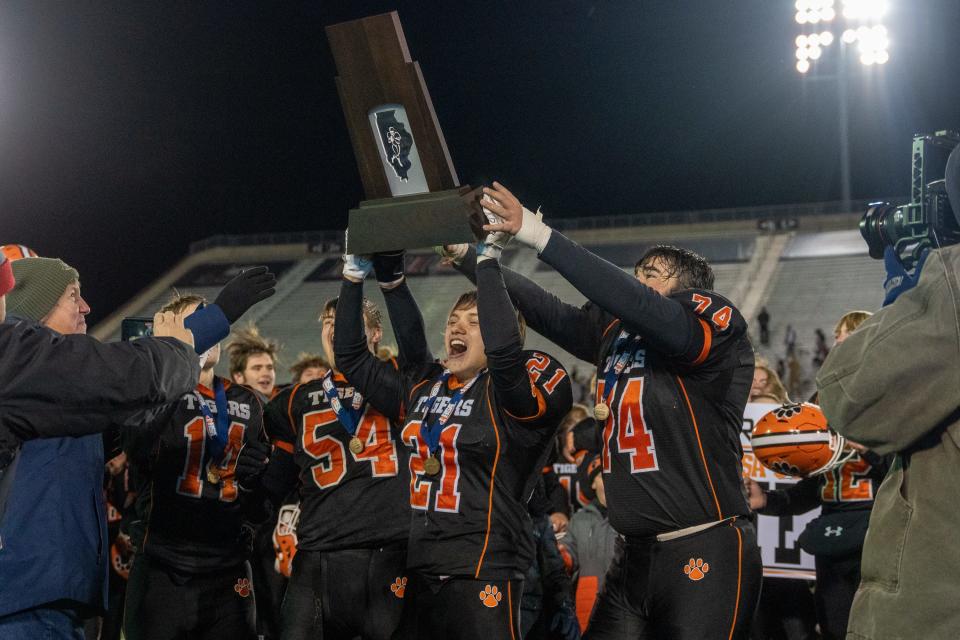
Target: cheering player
{"points": [[674, 370], [347, 578], [190, 577], [478, 427]]}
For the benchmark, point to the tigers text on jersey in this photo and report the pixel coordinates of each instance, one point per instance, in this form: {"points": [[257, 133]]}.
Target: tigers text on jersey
{"points": [[193, 524], [470, 519], [671, 443], [347, 500]]}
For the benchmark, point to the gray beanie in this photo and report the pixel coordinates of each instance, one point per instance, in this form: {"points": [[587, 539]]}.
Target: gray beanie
{"points": [[40, 283]]}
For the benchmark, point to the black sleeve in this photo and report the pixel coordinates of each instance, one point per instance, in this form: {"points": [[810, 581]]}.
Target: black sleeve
{"points": [[577, 330], [557, 585], [794, 500], [407, 323], [556, 494], [663, 322], [378, 381], [502, 343], [280, 477], [55, 386]]}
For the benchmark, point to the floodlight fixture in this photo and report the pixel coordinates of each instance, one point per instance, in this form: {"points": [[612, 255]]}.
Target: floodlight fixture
{"points": [[803, 65]]}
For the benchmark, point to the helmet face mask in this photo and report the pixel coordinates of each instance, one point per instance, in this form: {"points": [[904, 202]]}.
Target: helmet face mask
{"points": [[794, 440]]}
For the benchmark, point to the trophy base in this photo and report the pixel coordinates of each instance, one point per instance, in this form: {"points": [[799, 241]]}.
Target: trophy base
{"points": [[415, 221]]}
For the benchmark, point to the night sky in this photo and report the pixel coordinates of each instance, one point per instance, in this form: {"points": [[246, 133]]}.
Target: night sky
{"points": [[130, 129]]}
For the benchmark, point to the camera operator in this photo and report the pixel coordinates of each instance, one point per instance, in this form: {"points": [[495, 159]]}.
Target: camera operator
{"points": [[893, 386]]}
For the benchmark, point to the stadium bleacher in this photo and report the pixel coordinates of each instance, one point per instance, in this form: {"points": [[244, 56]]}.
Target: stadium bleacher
{"points": [[819, 271]]}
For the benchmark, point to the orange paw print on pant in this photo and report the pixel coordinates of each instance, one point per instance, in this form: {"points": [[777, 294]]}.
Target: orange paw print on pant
{"points": [[243, 587], [399, 587], [490, 596], [696, 569]]}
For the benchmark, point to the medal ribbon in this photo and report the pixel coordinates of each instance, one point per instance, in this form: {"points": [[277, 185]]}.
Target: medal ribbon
{"points": [[430, 432], [349, 417], [624, 349], [217, 428]]}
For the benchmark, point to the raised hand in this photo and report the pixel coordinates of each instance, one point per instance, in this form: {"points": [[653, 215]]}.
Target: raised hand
{"points": [[248, 288], [356, 267], [517, 220], [388, 266]]}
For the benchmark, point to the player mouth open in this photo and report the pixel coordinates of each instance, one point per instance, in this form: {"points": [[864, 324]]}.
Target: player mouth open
{"points": [[456, 349]]}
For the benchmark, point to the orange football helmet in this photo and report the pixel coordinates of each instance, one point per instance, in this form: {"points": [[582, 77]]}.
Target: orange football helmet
{"points": [[16, 251], [794, 440], [285, 538]]}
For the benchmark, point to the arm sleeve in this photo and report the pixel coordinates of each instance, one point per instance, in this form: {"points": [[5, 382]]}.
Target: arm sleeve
{"points": [[895, 378], [555, 579], [378, 381], [55, 386], [556, 494], [663, 322], [280, 477], [576, 330], [794, 500], [502, 343], [407, 322]]}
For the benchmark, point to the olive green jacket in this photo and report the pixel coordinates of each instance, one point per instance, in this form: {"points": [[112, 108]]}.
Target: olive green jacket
{"points": [[894, 386]]}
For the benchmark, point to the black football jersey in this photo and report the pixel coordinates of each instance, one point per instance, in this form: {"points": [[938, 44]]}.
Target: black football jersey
{"points": [[850, 487], [187, 521], [671, 443], [347, 500], [470, 519], [854, 484]]}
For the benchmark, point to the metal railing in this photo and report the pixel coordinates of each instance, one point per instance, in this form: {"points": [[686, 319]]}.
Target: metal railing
{"points": [[332, 240]]}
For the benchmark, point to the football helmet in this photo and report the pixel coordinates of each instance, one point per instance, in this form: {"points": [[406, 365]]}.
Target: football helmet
{"points": [[285, 538], [16, 251], [794, 440]]}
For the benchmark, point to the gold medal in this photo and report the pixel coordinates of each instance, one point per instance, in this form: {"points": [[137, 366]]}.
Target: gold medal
{"points": [[431, 466], [601, 412], [213, 474], [356, 444]]}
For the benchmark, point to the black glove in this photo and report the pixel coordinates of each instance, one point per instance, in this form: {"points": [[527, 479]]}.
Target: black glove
{"points": [[388, 266], [564, 623], [245, 290], [251, 463]]}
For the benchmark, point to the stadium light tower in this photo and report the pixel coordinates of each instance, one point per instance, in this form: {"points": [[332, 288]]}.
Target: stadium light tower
{"points": [[844, 23]]}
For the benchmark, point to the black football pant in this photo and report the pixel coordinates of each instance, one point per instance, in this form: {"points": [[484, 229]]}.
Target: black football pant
{"points": [[460, 609], [165, 605], [837, 582], [268, 585], [698, 587], [786, 611], [345, 594]]}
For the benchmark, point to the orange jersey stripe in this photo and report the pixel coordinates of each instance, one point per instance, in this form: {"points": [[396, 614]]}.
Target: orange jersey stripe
{"points": [[293, 393], [510, 604], [609, 326], [696, 430], [283, 446], [493, 474], [541, 407], [736, 604], [707, 341]]}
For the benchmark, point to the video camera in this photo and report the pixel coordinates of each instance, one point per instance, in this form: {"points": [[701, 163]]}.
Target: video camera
{"points": [[928, 220]]}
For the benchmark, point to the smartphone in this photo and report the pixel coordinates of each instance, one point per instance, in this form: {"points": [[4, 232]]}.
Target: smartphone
{"points": [[136, 328]]}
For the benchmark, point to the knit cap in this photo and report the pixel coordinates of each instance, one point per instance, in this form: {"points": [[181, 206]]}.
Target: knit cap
{"points": [[39, 284]]}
